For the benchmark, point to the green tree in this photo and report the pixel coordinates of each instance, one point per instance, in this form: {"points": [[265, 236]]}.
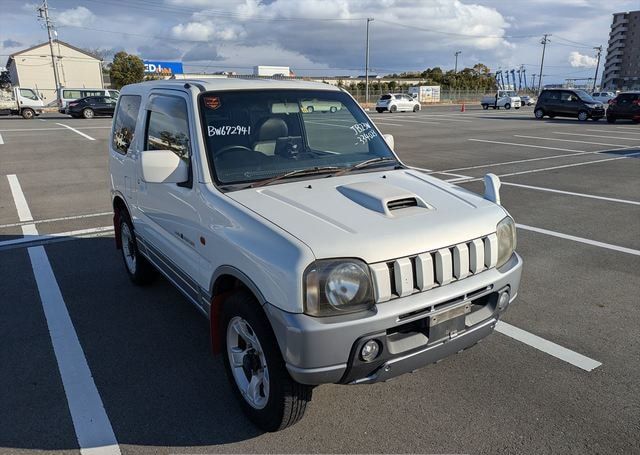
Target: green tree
{"points": [[126, 69]]}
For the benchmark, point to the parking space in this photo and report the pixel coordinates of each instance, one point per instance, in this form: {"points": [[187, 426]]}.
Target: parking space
{"points": [[142, 355]]}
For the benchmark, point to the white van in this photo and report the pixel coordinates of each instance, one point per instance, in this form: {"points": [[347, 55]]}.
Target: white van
{"points": [[67, 94]]}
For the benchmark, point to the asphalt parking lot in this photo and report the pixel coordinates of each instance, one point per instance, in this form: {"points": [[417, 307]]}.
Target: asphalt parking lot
{"points": [[561, 375]]}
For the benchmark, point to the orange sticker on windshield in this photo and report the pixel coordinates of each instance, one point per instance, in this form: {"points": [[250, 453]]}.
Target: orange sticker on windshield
{"points": [[212, 102]]}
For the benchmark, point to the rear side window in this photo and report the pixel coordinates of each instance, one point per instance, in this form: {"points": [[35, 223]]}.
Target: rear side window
{"points": [[385, 97], [72, 94], [124, 123], [167, 125]]}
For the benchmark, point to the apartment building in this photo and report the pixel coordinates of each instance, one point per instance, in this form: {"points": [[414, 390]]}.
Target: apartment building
{"points": [[622, 66]]}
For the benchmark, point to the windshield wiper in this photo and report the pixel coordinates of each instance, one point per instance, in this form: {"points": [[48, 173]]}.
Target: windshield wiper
{"points": [[308, 171], [380, 159]]}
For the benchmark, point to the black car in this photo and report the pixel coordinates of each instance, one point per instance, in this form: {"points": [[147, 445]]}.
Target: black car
{"points": [[624, 106], [568, 103], [91, 106]]}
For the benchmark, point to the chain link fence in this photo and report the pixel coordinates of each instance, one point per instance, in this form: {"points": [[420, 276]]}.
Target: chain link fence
{"points": [[446, 96]]}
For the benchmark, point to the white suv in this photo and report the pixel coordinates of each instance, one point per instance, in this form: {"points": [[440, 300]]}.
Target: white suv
{"points": [[397, 102], [315, 253]]}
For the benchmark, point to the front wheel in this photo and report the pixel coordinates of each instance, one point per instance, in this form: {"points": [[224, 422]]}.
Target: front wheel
{"points": [[88, 113], [416, 108], [140, 271], [269, 397], [380, 110], [333, 109], [28, 114], [485, 106], [507, 106], [583, 116], [539, 113]]}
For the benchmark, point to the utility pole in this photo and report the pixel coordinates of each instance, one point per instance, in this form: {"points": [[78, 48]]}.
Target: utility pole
{"points": [[533, 80], [595, 79], [43, 12], [366, 65], [456, 67], [544, 42]]}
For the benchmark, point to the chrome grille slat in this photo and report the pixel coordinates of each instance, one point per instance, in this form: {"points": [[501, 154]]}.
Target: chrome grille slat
{"points": [[408, 275]]}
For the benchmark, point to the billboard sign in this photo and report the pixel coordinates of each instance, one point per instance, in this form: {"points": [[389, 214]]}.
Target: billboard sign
{"points": [[162, 68]]}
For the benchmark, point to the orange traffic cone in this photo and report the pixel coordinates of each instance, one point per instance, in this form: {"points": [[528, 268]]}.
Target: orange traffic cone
{"points": [[462, 108]]}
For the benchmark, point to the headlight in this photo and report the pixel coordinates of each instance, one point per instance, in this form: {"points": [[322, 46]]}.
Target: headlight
{"points": [[506, 232], [337, 286]]}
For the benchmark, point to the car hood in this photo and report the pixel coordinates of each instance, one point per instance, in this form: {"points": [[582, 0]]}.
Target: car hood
{"points": [[374, 216]]}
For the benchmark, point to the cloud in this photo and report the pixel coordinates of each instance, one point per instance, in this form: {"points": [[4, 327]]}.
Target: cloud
{"points": [[11, 43], [578, 60], [159, 51], [79, 16], [207, 30]]}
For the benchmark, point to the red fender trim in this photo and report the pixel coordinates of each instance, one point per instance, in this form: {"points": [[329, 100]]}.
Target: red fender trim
{"points": [[116, 229]]}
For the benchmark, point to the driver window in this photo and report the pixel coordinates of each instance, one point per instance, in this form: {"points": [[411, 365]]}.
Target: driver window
{"points": [[168, 126]]}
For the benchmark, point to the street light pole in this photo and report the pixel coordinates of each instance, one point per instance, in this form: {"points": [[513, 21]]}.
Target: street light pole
{"points": [[456, 67], [544, 42], [595, 78], [366, 65]]}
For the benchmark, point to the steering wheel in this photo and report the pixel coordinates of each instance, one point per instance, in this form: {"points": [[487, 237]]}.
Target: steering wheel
{"points": [[229, 148]]}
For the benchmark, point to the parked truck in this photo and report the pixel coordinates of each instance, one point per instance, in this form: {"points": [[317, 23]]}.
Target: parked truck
{"points": [[502, 98], [425, 93], [20, 101]]}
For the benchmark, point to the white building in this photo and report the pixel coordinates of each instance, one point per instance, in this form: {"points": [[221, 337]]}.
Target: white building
{"points": [[33, 68]]}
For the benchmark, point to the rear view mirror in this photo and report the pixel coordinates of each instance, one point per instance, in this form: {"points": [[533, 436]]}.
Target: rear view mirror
{"points": [[390, 140], [163, 166], [285, 108]]}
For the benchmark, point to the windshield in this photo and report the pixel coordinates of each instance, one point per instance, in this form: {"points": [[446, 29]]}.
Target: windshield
{"points": [[584, 96], [253, 135]]}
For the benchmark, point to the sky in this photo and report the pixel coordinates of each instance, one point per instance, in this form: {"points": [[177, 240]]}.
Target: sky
{"points": [[327, 37]]}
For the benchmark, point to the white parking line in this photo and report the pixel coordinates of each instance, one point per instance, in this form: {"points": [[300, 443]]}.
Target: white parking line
{"points": [[608, 246], [598, 135], [547, 346], [62, 218], [387, 123], [90, 421], [602, 130], [415, 121], [568, 140], [53, 129], [526, 145], [582, 163], [571, 193], [76, 131], [1, 141], [634, 130], [35, 238]]}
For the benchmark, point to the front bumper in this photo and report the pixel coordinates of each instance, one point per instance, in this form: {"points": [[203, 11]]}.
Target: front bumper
{"points": [[326, 350]]}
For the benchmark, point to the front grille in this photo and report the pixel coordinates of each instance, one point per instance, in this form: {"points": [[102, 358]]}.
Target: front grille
{"points": [[409, 275]]}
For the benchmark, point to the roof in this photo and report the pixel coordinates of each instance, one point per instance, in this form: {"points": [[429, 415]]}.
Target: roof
{"points": [[61, 43], [239, 84]]}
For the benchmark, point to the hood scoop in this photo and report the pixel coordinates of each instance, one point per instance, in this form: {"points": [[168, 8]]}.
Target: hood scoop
{"points": [[383, 198]]}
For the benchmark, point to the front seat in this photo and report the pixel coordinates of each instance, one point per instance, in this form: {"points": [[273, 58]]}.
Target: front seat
{"points": [[270, 130]]}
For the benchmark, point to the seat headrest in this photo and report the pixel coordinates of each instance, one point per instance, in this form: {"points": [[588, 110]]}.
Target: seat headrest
{"points": [[272, 128]]}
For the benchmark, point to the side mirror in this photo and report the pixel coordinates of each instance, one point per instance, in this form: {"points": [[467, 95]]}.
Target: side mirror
{"points": [[492, 188], [390, 140], [163, 166]]}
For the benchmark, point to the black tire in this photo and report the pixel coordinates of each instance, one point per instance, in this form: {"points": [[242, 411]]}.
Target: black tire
{"points": [[583, 116], [495, 107], [507, 106], [517, 107], [380, 110], [310, 109], [416, 108], [539, 114], [333, 109], [27, 114], [142, 272], [88, 113], [611, 119], [485, 106], [287, 399], [393, 109]]}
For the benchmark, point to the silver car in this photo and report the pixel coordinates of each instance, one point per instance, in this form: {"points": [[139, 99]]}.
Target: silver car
{"points": [[397, 102]]}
